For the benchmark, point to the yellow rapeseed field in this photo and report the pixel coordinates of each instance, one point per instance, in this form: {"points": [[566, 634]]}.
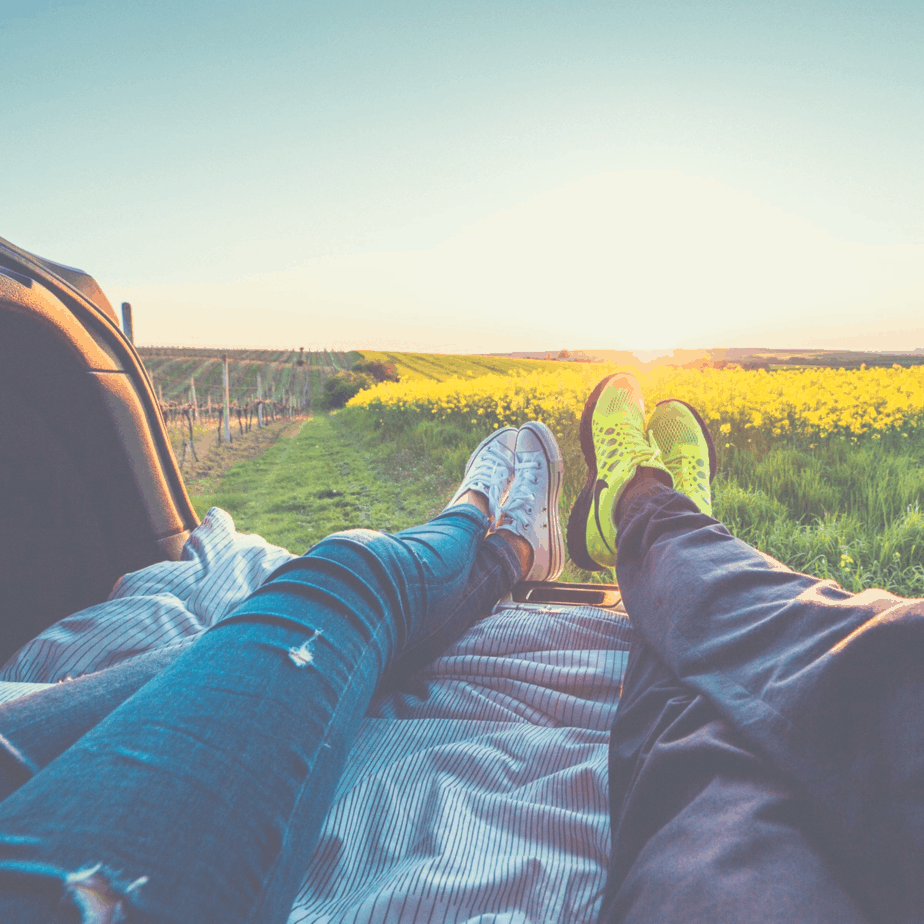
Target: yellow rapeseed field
{"points": [[740, 406]]}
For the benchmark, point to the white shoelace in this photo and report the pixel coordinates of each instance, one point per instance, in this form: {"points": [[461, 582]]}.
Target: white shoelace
{"points": [[489, 475], [521, 504]]}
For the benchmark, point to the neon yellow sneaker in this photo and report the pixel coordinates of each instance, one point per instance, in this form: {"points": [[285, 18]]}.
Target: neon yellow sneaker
{"points": [[614, 446], [686, 448]]}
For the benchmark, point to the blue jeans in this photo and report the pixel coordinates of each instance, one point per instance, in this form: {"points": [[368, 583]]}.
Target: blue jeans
{"points": [[767, 760], [199, 797]]}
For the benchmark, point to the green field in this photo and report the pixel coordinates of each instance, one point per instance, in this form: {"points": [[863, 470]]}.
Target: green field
{"points": [[849, 511], [438, 367]]}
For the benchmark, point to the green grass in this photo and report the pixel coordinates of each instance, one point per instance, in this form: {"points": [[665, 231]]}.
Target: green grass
{"points": [[853, 512], [325, 480]]}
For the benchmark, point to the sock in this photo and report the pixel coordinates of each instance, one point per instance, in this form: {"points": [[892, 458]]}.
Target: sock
{"points": [[644, 483]]}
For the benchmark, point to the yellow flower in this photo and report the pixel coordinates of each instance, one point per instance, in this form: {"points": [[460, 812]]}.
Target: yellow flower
{"points": [[741, 405]]}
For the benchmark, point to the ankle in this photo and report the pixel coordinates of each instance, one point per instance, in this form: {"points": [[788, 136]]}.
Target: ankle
{"points": [[645, 482], [522, 549], [476, 499]]}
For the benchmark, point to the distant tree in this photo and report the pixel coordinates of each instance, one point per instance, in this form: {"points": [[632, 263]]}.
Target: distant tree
{"points": [[381, 372], [564, 354], [341, 386]]}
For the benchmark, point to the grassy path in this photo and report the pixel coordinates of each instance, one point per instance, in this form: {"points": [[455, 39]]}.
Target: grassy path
{"points": [[322, 480]]}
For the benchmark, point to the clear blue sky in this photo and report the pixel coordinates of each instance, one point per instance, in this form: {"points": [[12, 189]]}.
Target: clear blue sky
{"points": [[476, 176]]}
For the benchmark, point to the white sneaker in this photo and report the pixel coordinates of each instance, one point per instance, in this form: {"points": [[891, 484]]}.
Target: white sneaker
{"points": [[531, 508], [490, 469]]}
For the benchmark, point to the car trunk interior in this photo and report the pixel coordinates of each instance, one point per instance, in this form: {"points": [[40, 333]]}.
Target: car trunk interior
{"points": [[74, 518]]}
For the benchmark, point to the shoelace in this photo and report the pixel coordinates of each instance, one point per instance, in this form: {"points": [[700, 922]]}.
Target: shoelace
{"points": [[519, 509], [637, 447], [681, 461], [657, 454], [485, 473]]}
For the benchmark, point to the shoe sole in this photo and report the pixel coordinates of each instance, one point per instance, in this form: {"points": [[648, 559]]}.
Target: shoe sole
{"points": [[556, 463], [710, 443], [577, 519]]}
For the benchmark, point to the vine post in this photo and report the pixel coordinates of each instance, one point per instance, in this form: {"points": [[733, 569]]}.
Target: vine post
{"points": [[259, 401], [227, 430], [127, 328]]}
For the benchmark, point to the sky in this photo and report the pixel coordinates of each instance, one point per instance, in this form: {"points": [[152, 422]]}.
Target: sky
{"points": [[476, 176]]}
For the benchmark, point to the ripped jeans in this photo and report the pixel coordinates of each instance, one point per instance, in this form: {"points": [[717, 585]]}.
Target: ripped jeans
{"points": [[199, 797]]}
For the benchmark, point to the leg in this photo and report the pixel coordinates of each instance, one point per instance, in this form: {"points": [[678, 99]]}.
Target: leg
{"points": [[35, 729], [759, 694], [495, 571], [703, 830], [206, 789], [200, 797], [38, 728], [824, 685]]}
